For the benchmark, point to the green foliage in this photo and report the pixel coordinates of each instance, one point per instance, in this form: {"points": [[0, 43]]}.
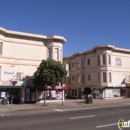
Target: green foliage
{"points": [[50, 73]]}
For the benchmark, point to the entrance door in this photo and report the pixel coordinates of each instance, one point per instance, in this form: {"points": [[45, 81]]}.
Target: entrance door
{"points": [[15, 92]]}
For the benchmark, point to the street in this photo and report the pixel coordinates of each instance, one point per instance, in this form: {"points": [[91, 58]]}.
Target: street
{"points": [[104, 118]]}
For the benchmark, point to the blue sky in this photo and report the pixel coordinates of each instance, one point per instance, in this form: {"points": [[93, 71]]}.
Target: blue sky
{"points": [[84, 23]]}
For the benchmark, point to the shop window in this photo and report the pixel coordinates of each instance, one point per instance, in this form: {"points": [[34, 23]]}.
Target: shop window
{"points": [[104, 59], [104, 77], [75, 92], [72, 92], [69, 92]]}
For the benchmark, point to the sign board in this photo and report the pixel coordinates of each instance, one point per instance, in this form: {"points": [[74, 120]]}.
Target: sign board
{"points": [[9, 73], [6, 83], [57, 87], [119, 85]]}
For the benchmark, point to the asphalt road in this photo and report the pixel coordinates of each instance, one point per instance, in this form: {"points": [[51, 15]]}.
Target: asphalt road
{"points": [[82, 119]]}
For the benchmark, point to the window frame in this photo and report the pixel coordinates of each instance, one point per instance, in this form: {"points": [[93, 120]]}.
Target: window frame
{"points": [[1, 48], [104, 77], [88, 62], [89, 77], [104, 59]]}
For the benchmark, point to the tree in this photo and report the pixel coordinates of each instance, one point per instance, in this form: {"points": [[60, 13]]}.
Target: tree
{"points": [[49, 73]]}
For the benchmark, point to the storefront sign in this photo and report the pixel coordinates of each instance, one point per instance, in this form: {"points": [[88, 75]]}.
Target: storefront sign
{"points": [[9, 73], [119, 85], [57, 87], [5, 83]]}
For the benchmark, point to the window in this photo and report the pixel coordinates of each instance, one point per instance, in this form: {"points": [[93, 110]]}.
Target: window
{"points": [[109, 77], [60, 54], [104, 59], [64, 80], [69, 67], [78, 78], [99, 78], [0, 72], [56, 54], [18, 76], [83, 63], [118, 62], [69, 80], [88, 61], [98, 60], [1, 48], [75, 92], [109, 59], [89, 77], [83, 78], [73, 64], [50, 53], [104, 77], [69, 92], [72, 92], [78, 63], [72, 77]]}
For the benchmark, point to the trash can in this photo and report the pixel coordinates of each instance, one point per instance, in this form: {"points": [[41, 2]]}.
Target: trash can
{"points": [[89, 99]]}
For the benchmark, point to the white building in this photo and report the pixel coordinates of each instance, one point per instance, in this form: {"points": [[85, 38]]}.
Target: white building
{"points": [[20, 55], [104, 69]]}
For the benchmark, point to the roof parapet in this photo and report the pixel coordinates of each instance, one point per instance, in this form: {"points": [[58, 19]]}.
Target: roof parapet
{"points": [[63, 40]]}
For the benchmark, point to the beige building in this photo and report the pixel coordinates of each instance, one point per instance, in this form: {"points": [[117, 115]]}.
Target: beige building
{"points": [[105, 70], [20, 55]]}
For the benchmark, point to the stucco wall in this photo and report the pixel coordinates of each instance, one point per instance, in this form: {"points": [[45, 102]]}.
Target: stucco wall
{"points": [[24, 51]]}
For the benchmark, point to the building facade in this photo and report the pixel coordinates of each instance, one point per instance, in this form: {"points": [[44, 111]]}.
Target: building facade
{"points": [[20, 55], [105, 70]]}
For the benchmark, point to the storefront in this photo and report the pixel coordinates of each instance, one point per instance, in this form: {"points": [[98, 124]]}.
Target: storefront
{"points": [[14, 91], [111, 92], [56, 93], [30, 94], [98, 93]]}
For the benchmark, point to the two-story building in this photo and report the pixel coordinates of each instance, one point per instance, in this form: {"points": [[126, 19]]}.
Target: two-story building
{"points": [[104, 69], [20, 55]]}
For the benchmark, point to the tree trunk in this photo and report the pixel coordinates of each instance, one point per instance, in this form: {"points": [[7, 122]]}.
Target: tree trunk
{"points": [[44, 98], [62, 98]]}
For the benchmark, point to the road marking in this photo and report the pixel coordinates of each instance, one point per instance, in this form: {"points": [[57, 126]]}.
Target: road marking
{"points": [[82, 117], [89, 108], [58, 110], [5, 114], [106, 125]]}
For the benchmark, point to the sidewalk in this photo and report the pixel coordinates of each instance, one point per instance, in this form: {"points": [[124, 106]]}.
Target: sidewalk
{"points": [[69, 104]]}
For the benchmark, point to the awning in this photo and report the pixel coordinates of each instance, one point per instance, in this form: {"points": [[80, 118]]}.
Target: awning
{"points": [[11, 86], [127, 84]]}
